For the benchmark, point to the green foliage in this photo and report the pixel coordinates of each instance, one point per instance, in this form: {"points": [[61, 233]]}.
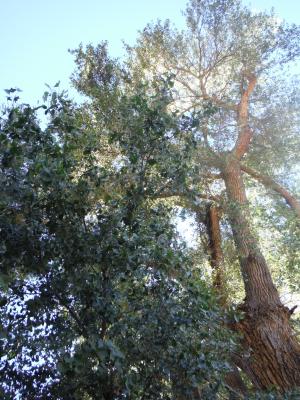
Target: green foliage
{"points": [[210, 68], [98, 298]]}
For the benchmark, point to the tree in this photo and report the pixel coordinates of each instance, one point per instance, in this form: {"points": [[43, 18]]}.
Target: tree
{"points": [[231, 72], [228, 69], [98, 296], [99, 300]]}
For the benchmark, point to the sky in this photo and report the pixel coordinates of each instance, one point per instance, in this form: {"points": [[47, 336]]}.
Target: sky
{"points": [[35, 35]]}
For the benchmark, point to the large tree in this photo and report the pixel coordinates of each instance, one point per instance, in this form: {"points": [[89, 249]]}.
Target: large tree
{"points": [[229, 75], [232, 59], [99, 299]]}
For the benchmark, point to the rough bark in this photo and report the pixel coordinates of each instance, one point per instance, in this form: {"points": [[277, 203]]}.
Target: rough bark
{"points": [[212, 222], [258, 283], [234, 383], [245, 132], [274, 353]]}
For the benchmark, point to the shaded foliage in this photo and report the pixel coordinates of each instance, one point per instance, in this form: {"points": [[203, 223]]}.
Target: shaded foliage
{"points": [[98, 297]]}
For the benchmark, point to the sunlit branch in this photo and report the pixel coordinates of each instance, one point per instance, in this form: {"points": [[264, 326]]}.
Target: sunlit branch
{"points": [[245, 132], [270, 183]]}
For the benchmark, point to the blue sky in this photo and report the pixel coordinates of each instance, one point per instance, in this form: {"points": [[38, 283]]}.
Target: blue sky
{"points": [[36, 35]]}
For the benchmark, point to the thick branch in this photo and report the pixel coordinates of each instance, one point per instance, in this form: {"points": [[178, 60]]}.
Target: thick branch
{"points": [[245, 132], [212, 177], [170, 193], [270, 183], [212, 222]]}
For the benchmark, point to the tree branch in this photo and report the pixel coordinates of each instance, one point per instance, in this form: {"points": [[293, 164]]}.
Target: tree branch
{"points": [[292, 201], [245, 132], [80, 327], [170, 193], [215, 100]]}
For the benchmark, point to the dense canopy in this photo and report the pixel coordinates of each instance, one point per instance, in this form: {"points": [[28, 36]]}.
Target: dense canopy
{"points": [[100, 296]]}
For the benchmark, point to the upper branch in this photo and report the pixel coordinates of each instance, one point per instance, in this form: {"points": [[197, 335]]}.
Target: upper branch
{"points": [[245, 132], [214, 99], [270, 183]]}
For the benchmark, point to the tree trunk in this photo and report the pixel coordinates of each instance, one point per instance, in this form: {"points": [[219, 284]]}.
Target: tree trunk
{"points": [[212, 222], [237, 388], [273, 352]]}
